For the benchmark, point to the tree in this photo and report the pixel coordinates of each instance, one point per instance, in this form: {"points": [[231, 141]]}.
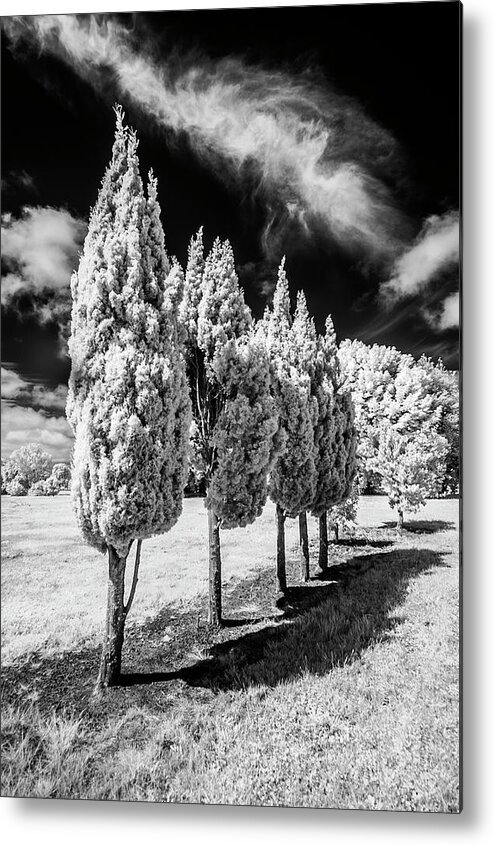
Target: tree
{"points": [[442, 385], [48, 487], [27, 465], [15, 488], [344, 515], [61, 476], [335, 438], [126, 402], [234, 428], [9, 474], [293, 476], [411, 466], [369, 374], [307, 356], [390, 388]]}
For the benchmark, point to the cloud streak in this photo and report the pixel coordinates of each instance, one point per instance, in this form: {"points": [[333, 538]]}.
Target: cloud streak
{"points": [[435, 249], [18, 181], [314, 157]]}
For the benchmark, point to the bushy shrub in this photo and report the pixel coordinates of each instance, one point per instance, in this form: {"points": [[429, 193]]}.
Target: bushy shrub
{"points": [[15, 488], [48, 487], [61, 476]]}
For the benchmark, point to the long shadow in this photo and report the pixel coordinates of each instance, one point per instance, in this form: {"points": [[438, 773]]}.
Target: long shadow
{"points": [[422, 526], [320, 625], [323, 626], [355, 542]]}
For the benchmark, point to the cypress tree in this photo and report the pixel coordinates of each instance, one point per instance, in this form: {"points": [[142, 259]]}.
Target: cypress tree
{"points": [[126, 403], [292, 478], [304, 352], [335, 485], [234, 415]]}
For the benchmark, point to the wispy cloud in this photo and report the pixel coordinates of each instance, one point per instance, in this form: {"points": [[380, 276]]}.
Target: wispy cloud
{"points": [[39, 251], [18, 180], [312, 155], [446, 315], [435, 248]]}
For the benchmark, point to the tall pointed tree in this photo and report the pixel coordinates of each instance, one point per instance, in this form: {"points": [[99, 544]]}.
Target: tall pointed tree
{"points": [[305, 357], [126, 403], [292, 478], [335, 486], [235, 419]]}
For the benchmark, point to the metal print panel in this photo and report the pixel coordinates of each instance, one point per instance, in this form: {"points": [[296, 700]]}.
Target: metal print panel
{"points": [[230, 406]]}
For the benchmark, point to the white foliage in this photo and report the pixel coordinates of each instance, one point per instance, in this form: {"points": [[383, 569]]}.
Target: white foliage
{"points": [[189, 306], [411, 466], [244, 434], [390, 388], [344, 514], [233, 436], [335, 433], [127, 404], [26, 465], [222, 312], [292, 483]]}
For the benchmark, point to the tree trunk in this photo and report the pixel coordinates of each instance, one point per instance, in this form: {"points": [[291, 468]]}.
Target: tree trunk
{"points": [[280, 549], [399, 522], [111, 653], [336, 531], [304, 546], [214, 569], [323, 542]]}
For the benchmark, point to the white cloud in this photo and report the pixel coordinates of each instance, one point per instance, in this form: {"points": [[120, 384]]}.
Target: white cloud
{"points": [[40, 249], [316, 158], [21, 425], [436, 248], [14, 387], [450, 314]]}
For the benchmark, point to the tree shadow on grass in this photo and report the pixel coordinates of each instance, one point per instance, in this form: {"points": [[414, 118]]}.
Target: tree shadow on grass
{"points": [[324, 625], [422, 526], [352, 542], [316, 627]]}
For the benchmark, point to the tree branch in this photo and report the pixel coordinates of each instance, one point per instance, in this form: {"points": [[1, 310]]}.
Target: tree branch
{"points": [[134, 578]]}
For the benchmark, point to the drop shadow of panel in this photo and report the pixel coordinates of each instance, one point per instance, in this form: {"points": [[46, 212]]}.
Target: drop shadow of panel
{"points": [[323, 626], [422, 526]]}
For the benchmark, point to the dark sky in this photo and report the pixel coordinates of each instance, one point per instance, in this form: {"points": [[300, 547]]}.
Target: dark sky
{"points": [[385, 79]]}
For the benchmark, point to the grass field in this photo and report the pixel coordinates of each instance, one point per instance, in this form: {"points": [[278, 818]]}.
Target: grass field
{"points": [[345, 695]]}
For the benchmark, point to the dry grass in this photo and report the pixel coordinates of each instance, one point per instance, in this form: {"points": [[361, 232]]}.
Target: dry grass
{"points": [[347, 696]]}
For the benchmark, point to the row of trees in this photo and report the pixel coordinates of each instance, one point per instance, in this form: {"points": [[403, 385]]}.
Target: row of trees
{"points": [[30, 471], [169, 370], [171, 375]]}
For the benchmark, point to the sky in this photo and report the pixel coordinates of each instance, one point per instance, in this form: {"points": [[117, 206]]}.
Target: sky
{"points": [[326, 134]]}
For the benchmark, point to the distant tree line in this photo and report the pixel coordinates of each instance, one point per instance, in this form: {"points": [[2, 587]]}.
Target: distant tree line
{"points": [[30, 471]]}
